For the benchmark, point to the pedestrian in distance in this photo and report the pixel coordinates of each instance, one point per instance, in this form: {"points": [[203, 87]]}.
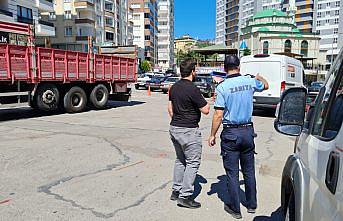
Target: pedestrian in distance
{"points": [[234, 108], [186, 104]]}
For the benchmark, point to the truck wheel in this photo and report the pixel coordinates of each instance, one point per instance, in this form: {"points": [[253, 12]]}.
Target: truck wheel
{"points": [[47, 97], [99, 96], [75, 100]]}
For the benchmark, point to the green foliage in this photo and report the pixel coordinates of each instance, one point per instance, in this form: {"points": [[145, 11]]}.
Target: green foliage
{"points": [[145, 66], [246, 52]]}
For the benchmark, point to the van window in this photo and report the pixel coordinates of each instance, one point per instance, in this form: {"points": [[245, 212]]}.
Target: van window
{"points": [[329, 108]]}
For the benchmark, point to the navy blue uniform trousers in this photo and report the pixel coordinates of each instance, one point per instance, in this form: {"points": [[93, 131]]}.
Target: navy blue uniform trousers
{"points": [[237, 145]]}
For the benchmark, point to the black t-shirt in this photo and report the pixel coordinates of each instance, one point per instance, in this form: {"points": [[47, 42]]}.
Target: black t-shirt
{"points": [[186, 99]]}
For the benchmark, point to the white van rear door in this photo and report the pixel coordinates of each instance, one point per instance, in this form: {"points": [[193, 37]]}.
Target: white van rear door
{"points": [[270, 70]]}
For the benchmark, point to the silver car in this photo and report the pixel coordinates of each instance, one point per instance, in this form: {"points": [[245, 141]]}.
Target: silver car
{"points": [[312, 179], [166, 85]]}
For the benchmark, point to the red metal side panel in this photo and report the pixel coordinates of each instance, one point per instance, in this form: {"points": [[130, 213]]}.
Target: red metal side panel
{"points": [[108, 67], [60, 67], [123, 68], [72, 66], [132, 70], [18, 62], [45, 64], [83, 66], [99, 67], [4, 65], [116, 68]]}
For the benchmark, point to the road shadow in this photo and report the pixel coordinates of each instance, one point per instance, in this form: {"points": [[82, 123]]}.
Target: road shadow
{"points": [[264, 113], [221, 189], [20, 113], [275, 216], [197, 185]]}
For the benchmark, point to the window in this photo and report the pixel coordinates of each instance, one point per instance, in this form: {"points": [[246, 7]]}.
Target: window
{"points": [[335, 40], [327, 21], [136, 17], [336, 21], [319, 14], [329, 107], [335, 30], [318, 23], [319, 6], [337, 12], [133, 6], [266, 47], [327, 13], [147, 37], [109, 21], [318, 32], [24, 15], [98, 20], [288, 46], [52, 16], [109, 6], [68, 31], [304, 48], [109, 36], [67, 1], [67, 14], [337, 4], [328, 5]]}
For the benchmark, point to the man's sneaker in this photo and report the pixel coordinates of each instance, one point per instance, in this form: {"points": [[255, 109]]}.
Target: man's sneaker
{"points": [[174, 196], [232, 213], [251, 210], [188, 203]]}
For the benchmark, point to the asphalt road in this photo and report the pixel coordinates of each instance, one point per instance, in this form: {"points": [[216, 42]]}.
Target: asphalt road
{"points": [[116, 164]]}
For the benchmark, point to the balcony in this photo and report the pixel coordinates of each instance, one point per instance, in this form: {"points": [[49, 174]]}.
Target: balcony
{"points": [[45, 29], [6, 15], [84, 21], [25, 20], [45, 5], [81, 38], [84, 5]]}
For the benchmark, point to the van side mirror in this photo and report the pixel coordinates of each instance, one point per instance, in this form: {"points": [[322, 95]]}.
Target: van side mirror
{"points": [[291, 112]]}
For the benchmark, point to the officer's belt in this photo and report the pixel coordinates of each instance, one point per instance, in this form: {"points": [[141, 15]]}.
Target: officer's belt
{"points": [[237, 125]]}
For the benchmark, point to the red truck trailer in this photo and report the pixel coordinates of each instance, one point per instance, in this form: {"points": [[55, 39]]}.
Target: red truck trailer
{"points": [[54, 79]]}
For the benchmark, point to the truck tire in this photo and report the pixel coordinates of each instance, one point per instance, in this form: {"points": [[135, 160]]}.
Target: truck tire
{"points": [[75, 100], [99, 96], [47, 97]]}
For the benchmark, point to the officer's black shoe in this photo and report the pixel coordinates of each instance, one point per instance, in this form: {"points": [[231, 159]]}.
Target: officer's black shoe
{"points": [[251, 210], [188, 203], [174, 196], [232, 213]]}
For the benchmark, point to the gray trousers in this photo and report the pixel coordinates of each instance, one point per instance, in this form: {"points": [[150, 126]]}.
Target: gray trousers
{"points": [[188, 147]]}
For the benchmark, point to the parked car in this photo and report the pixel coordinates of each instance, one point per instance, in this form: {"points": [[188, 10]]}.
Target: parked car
{"points": [[142, 79], [280, 71], [155, 82], [168, 83], [312, 179], [315, 87], [205, 84]]}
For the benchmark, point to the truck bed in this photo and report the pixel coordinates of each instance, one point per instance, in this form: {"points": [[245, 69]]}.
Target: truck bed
{"points": [[17, 63]]}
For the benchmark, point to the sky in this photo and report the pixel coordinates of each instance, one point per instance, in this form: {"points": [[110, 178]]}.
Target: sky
{"points": [[196, 18]]}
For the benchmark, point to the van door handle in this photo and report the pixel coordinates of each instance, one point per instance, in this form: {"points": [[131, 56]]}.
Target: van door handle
{"points": [[332, 172]]}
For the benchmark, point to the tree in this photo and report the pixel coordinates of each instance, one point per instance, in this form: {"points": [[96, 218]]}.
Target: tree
{"points": [[145, 66], [246, 52]]}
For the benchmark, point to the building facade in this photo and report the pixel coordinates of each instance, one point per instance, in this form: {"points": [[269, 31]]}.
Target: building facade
{"points": [[105, 21], [145, 27], [28, 12], [304, 13], [220, 21], [165, 34], [184, 44], [328, 24]]}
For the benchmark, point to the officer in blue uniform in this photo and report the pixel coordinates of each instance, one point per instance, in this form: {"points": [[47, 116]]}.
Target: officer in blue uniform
{"points": [[233, 108]]}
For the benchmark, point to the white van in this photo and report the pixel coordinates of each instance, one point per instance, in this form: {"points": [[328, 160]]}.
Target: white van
{"points": [[281, 72], [312, 179]]}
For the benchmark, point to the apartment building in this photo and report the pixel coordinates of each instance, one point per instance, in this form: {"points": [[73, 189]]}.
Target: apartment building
{"points": [[328, 24], [145, 30], [165, 34], [106, 21], [220, 21], [27, 12]]}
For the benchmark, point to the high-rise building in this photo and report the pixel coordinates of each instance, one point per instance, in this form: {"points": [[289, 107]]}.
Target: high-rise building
{"points": [[106, 21], [220, 21], [166, 34], [304, 13], [28, 12], [328, 24], [145, 28], [269, 4]]}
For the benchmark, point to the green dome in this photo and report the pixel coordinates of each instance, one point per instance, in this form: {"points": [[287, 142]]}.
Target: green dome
{"points": [[263, 29], [295, 30], [270, 13], [284, 35]]}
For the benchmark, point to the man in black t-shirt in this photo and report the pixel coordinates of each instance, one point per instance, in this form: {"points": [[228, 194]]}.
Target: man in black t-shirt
{"points": [[186, 104]]}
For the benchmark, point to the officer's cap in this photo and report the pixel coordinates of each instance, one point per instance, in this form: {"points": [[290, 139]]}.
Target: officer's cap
{"points": [[231, 61]]}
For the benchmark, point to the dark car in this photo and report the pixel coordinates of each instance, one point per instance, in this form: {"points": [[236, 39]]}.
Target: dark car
{"points": [[155, 83], [205, 84], [315, 87]]}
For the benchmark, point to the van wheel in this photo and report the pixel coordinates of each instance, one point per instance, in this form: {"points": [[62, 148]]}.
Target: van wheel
{"points": [[75, 100], [99, 96], [290, 213], [47, 97]]}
